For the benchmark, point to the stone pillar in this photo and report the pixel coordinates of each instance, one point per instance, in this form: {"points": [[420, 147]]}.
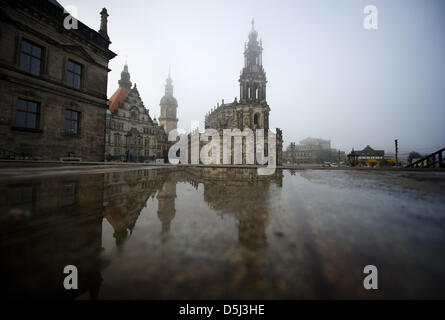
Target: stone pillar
{"points": [[104, 24]]}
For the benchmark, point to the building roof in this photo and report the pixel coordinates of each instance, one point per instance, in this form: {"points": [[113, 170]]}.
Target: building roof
{"points": [[118, 98], [54, 2], [368, 151]]}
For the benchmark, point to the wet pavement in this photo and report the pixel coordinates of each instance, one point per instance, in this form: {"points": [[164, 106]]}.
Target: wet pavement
{"points": [[223, 234]]}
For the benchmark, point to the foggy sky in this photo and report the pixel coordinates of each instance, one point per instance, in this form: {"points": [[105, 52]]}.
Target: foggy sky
{"points": [[328, 77]]}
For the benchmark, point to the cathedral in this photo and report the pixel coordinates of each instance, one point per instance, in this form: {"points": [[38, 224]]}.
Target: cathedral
{"points": [[252, 110], [131, 134]]}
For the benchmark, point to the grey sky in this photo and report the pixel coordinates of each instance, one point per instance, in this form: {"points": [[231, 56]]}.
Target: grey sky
{"points": [[328, 76]]}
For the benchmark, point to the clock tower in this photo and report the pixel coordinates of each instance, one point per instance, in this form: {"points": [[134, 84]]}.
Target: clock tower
{"points": [[169, 106]]}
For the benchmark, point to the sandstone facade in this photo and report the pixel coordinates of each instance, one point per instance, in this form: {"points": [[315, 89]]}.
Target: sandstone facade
{"points": [[53, 84]]}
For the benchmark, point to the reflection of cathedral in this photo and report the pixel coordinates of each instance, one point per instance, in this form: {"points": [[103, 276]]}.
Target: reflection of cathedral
{"points": [[241, 193]]}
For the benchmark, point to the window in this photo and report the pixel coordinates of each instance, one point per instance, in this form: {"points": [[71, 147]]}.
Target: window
{"points": [[72, 121], [30, 58], [27, 115], [73, 75], [117, 139]]}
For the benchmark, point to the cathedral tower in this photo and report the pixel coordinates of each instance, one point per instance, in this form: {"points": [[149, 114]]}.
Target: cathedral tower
{"points": [[252, 110], [253, 78], [169, 106]]}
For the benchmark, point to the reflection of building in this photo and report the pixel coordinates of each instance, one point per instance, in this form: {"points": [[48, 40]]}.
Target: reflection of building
{"points": [[166, 204], [53, 83], [169, 107], [241, 193], [356, 157], [313, 151], [126, 195], [252, 110], [49, 224], [131, 134]]}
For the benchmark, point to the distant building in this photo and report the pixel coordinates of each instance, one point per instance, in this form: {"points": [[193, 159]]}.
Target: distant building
{"points": [[313, 151], [252, 110], [53, 84], [356, 157], [131, 134]]}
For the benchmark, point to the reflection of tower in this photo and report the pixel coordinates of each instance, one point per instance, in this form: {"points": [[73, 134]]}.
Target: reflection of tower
{"points": [[166, 205], [252, 230], [245, 195], [117, 221], [169, 106]]}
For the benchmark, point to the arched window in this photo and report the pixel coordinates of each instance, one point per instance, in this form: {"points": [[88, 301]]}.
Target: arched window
{"points": [[256, 119]]}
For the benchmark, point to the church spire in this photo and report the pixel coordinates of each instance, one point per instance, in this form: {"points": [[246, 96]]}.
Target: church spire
{"points": [[169, 85], [125, 78], [169, 105], [253, 78], [253, 35]]}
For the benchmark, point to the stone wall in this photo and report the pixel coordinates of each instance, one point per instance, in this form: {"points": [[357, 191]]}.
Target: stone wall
{"points": [[42, 25]]}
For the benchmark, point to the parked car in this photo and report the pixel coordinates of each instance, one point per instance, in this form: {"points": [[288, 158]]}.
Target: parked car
{"points": [[326, 165]]}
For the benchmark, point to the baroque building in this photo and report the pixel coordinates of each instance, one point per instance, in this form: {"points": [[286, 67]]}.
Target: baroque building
{"points": [[53, 83], [131, 134], [252, 110], [169, 107]]}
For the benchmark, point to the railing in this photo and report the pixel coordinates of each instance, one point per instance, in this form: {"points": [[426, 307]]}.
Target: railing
{"points": [[434, 160]]}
